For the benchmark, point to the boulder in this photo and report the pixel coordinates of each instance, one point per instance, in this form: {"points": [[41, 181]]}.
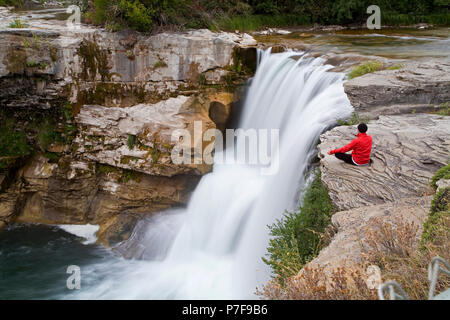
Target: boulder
{"points": [[407, 151]]}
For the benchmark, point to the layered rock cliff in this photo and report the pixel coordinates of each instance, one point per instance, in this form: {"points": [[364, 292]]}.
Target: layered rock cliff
{"points": [[408, 148], [98, 110]]}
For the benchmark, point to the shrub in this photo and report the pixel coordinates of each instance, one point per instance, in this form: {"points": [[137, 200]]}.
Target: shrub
{"points": [[443, 173], [138, 16], [297, 237], [14, 3]]}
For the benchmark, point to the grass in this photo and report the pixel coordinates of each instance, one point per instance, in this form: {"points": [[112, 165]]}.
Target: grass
{"points": [[369, 67], [131, 141], [443, 109], [296, 238], [354, 120], [34, 64], [16, 24], [442, 173], [366, 67], [396, 67]]}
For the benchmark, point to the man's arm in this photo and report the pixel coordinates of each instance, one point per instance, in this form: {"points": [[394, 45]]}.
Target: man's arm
{"points": [[344, 149]]}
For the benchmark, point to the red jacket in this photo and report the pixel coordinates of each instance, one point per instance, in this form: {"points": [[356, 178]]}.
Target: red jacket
{"points": [[361, 146]]}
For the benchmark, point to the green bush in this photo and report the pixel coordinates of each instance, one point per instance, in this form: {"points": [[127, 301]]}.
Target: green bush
{"points": [[147, 15], [13, 3], [296, 238], [442, 173]]}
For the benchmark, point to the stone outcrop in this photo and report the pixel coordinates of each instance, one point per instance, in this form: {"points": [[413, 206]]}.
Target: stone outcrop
{"points": [[126, 93], [414, 87], [140, 137], [80, 192], [92, 66], [353, 226], [394, 190], [407, 151]]}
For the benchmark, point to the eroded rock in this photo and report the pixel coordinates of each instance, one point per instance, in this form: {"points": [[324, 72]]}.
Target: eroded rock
{"points": [[407, 151]]}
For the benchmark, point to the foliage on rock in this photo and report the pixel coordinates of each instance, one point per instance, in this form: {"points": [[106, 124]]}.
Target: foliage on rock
{"points": [[297, 238]]}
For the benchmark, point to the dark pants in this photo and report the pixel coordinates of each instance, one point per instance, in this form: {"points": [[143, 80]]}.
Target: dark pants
{"points": [[347, 158]]}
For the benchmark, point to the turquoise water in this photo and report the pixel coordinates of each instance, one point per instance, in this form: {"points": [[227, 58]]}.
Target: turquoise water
{"points": [[34, 261]]}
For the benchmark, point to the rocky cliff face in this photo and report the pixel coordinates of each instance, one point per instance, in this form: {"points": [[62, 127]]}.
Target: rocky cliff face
{"points": [[115, 99], [407, 151]]}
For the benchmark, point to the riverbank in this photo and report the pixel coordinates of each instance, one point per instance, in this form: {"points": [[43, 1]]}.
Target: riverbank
{"points": [[244, 16]]}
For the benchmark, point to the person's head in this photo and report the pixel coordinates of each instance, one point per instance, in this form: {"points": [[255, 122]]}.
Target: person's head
{"points": [[362, 127]]}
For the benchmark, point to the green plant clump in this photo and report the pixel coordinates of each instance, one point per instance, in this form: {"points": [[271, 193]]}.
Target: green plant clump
{"points": [[442, 173], [297, 237], [16, 24], [366, 67], [131, 141], [354, 120]]}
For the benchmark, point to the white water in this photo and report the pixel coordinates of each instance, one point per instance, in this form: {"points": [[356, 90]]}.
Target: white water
{"points": [[86, 231], [222, 235]]}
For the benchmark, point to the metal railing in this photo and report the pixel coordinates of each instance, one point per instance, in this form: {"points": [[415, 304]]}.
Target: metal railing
{"points": [[396, 292]]}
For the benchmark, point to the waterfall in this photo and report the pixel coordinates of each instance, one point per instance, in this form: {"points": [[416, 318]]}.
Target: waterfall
{"points": [[215, 246]]}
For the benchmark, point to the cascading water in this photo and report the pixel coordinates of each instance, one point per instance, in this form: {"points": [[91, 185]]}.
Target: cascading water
{"points": [[217, 242]]}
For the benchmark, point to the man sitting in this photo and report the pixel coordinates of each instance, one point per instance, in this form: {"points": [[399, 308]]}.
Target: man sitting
{"points": [[361, 146]]}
